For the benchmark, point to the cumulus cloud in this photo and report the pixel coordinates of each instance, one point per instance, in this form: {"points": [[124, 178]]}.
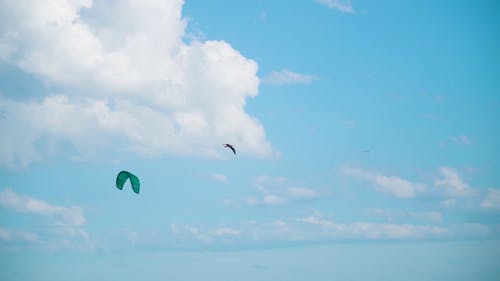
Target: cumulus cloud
{"points": [[125, 80], [59, 214], [448, 185], [344, 6], [394, 186], [288, 77]]}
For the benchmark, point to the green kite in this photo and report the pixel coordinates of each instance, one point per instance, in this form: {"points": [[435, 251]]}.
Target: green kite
{"points": [[122, 178]]}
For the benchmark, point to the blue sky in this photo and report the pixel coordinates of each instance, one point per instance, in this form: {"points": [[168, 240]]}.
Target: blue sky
{"points": [[365, 131]]}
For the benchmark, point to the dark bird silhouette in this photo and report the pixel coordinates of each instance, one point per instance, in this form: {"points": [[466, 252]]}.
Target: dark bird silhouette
{"points": [[231, 147]]}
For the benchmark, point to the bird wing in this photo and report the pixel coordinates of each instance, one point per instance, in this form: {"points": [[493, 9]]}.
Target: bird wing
{"points": [[231, 147]]}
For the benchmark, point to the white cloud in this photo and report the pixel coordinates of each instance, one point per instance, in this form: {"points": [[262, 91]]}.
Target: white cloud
{"points": [[317, 227], [219, 177], [462, 140], [376, 231], [278, 191], [391, 185], [63, 229], [174, 228], [125, 80], [251, 201], [317, 220], [397, 186], [280, 223], [24, 204], [273, 200], [225, 231], [491, 200], [204, 235], [435, 217], [344, 6], [451, 183], [274, 191], [449, 203], [18, 235], [288, 77], [302, 192], [395, 215], [198, 234], [68, 237], [264, 179]]}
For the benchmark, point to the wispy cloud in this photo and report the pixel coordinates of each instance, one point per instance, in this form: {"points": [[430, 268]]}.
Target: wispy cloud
{"points": [[491, 200], [375, 231], [288, 77], [219, 177], [225, 231], [392, 185], [461, 139], [63, 229], [271, 199], [204, 235], [279, 190], [18, 235], [320, 227], [25, 204], [275, 191], [302, 193], [396, 215], [452, 184], [449, 185], [344, 6]]}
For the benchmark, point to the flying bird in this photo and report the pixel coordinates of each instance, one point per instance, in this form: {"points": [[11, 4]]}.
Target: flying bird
{"points": [[231, 147]]}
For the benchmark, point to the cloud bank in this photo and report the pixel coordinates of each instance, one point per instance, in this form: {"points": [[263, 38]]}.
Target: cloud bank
{"points": [[121, 77]]}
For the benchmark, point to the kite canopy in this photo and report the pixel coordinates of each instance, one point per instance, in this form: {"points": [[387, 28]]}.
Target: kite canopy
{"points": [[122, 178]]}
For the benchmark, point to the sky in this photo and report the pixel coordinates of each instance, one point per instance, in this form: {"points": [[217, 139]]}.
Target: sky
{"points": [[366, 135]]}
